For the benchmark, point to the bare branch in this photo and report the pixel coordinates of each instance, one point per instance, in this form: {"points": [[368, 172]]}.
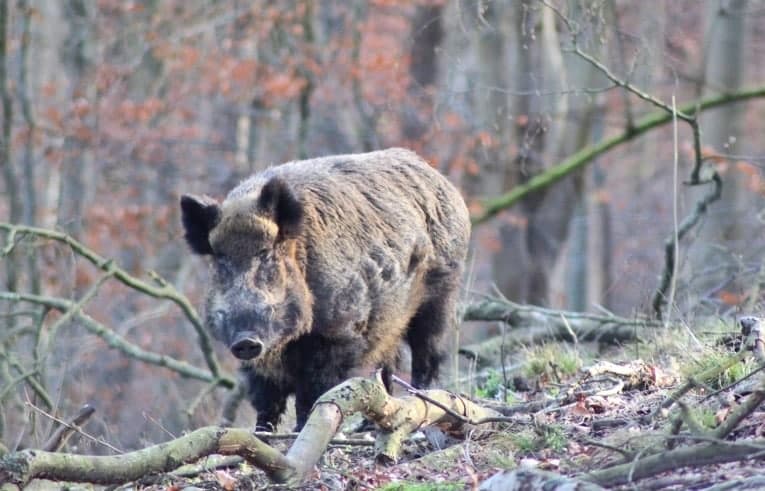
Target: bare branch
{"points": [[164, 291], [119, 343], [690, 221], [84, 414], [589, 153], [65, 430]]}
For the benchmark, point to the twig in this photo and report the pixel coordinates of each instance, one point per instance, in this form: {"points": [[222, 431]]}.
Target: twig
{"points": [[675, 237], [602, 424], [733, 384], [412, 390], [10, 243], [31, 381], [158, 424], [690, 421], [73, 428], [503, 328], [10, 385], [75, 309], [568, 328], [64, 431], [358, 442], [628, 456], [206, 390]]}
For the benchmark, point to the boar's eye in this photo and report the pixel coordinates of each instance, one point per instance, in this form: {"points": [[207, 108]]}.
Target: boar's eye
{"points": [[220, 317]]}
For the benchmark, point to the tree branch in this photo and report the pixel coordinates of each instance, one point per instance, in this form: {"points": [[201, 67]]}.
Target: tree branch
{"points": [[693, 456], [532, 324], [21, 467], [690, 221], [118, 342], [66, 428], [163, 291], [587, 154]]}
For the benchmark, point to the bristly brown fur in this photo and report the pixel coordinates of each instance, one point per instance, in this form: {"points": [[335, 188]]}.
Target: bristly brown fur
{"points": [[332, 262]]}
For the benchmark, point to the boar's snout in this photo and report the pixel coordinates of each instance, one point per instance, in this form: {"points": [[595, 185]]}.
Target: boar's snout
{"points": [[246, 346]]}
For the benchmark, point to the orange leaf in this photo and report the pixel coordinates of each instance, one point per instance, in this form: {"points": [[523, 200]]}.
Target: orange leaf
{"points": [[580, 409], [731, 298], [54, 115], [226, 480], [747, 168], [472, 168], [722, 414], [475, 207]]}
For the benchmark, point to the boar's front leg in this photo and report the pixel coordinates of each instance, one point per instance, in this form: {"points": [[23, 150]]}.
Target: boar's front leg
{"points": [[325, 363], [268, 397]]}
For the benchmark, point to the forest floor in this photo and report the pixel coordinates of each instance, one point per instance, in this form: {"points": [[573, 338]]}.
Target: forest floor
{"points": [[575, 408]]}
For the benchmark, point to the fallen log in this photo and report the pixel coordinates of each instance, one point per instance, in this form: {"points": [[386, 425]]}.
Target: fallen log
{"points": [[532, 325], [19, 468], [395, 416]]}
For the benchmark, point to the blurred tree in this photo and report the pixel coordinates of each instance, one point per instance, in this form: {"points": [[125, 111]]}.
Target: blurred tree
{"points": [[15, 205], [29, 163], [426, 35], [724, 245], [78, 170]]}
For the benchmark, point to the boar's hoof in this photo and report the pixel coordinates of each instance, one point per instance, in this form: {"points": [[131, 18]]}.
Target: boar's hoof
{"points": [[247, 348]]}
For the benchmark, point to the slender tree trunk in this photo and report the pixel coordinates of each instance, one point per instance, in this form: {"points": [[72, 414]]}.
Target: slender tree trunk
{"points": [[427, 32], [30, 190], [304, 100], [78, 159], [499, 122], [726, 233], [15, 206]]}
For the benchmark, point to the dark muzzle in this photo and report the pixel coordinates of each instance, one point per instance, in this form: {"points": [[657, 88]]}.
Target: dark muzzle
{"points": [[246, 347]]}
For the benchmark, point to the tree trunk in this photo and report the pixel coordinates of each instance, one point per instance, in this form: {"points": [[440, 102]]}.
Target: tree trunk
{"points": [[427, 32], [29, 164], [78, 158], [729, 227], [15, 206]]}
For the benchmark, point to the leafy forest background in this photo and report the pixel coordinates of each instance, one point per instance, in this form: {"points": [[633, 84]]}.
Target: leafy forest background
{"points": [[112, 109]]}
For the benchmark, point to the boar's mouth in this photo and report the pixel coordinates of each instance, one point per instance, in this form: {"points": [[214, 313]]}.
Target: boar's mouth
{"points": [[246, 346]]}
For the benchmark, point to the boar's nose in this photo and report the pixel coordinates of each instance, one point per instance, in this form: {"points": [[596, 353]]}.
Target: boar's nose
{"points": [[246, 347]]}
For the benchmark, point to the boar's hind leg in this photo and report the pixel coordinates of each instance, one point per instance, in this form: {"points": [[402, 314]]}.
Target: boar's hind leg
{"points": [[267, 397], [425, 330]]}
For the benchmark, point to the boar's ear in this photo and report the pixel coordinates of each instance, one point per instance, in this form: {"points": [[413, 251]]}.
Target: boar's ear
{"points": [[199, 215], [277, 199]]}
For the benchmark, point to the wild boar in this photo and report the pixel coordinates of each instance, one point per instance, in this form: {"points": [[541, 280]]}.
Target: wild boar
{"points": [[324, 265]]}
